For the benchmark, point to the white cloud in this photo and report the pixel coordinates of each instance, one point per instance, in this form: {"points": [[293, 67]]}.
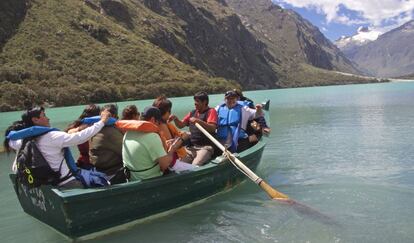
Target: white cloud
{"points": [[377, 13]]}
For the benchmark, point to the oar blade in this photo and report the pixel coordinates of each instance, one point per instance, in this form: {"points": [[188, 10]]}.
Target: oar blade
{"points": [[272, 192]]}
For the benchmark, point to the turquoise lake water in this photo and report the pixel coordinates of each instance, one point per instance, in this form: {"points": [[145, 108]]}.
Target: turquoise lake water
{"points": [[346, 151]]}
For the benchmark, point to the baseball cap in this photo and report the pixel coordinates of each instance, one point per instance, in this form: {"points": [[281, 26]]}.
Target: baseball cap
{"points": [[151, 111], [230, 93]]}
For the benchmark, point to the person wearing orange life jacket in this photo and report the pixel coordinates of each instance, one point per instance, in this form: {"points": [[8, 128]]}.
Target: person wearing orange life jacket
{"points": [[168, 130], [144, 151]]}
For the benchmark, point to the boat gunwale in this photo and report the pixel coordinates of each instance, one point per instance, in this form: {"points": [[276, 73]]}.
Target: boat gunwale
{"points": [[83, 194]]}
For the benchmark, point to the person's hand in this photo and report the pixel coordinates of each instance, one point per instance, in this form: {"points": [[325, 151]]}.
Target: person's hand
{"points": [[171, 118], [194, 120], [105, 115], [169, 142], [185, 136], [266, 130], [175, 145], [253, 138]]}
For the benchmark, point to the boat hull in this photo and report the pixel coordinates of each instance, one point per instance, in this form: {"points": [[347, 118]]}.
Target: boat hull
{"points": [[80, 212]]}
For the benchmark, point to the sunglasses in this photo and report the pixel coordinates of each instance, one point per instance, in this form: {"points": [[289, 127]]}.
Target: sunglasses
{"points": [[35, 111]]}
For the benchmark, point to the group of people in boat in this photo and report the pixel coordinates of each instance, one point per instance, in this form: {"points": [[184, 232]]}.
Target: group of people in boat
{"points": [[138, 145]]}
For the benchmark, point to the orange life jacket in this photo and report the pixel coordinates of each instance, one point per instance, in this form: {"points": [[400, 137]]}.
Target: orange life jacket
{"points": [[181, 152], [141, 126]]}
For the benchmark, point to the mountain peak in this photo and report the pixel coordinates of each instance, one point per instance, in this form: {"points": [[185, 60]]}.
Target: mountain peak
{"points": [[363, 29], [363, 36], [390, 55]]}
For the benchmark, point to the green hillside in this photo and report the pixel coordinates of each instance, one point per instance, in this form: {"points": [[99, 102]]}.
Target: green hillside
{"points": [[67, 53], [80, 51]]}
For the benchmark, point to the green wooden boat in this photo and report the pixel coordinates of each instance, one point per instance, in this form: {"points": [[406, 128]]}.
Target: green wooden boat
{"points": [[81, 212]]}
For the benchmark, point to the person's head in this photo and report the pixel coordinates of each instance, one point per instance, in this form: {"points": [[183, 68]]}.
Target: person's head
{"points": [[201, 101], [35, 117], [130, 112], [152, 114], [112, 108], [89, 111], [239, 93], [164, 105], [16, 126], [231, 98]]}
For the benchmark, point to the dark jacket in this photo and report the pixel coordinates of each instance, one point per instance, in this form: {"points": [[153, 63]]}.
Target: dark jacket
{"points": [[105, 150]]}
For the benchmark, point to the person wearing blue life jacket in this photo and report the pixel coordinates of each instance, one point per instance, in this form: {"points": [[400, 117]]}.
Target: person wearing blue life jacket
{"points": [[53, 144], [233, 118]]}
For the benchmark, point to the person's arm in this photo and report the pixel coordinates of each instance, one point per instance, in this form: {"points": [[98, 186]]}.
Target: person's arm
{"points": [[15, 144], [180, 123], [166, 160], [259, 110], [77, 129], [84, 135], [211, 122]]}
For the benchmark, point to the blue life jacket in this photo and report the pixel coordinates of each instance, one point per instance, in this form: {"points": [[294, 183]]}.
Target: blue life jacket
{"points": [[246, 103], [93, 119], [89, 178], [229, 121]]}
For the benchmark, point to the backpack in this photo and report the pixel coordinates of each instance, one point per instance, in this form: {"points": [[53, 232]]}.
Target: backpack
{"points": [[32, 168]]}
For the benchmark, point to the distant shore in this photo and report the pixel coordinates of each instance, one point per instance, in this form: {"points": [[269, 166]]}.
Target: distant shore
{"points": [[400, 80]]}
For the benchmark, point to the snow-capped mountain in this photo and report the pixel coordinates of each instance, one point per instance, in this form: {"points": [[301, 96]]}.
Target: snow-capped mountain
{"points": [[391, 55], [363, 36]]}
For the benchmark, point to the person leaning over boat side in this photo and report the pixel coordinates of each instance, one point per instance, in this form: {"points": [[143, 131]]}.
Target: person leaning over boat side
{"points": [[105, 148], [168, 130], [51, 144], [130, 112], [201, 150], [145, 153], [245, 101], [265, 129], [233, 118], [76, 126], [16, 126]]}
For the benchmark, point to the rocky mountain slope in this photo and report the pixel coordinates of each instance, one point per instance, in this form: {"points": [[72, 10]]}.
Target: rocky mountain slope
{"points": [[391, 55], [292, 40], [109, 50]]}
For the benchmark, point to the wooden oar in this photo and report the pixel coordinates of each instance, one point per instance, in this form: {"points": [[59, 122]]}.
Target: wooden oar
{"points": [[273, 193]]}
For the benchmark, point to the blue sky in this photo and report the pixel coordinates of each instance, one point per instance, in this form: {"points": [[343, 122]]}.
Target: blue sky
{"points": [[336, 18]]}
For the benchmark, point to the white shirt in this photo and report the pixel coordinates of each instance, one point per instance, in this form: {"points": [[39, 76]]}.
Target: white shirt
{"points": [[248, 114], [52, 143]]}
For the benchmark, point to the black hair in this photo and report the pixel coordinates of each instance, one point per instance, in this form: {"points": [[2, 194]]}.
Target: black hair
{"points": [[16, 126], [201, 96], [30, 113], [89, 111], [129, 112], [163, 104], [112, 108]]}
